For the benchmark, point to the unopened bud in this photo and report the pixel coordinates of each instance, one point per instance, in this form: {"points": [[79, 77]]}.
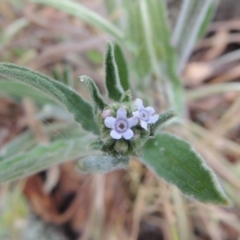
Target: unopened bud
{"points": [[106, 113], [121, 146]]}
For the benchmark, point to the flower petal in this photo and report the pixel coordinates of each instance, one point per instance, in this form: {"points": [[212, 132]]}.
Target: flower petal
{"points": [[143, 124], [153, 118], [115, 135], [150, 110], [139, 103], [136, 114], [122, 113], [133, 121], [109, 122], [128, 134]]}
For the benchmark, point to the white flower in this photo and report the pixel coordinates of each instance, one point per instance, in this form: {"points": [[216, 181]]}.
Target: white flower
{"points": [[121, 125], [145, 114]]}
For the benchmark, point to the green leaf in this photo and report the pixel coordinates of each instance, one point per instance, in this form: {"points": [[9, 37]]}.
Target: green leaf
{"points": [[75, 104], [208, 18], [41, 158], [163, 118], [154, 56], [15, 89], [135, 39], [167, 54], [77, 10], [175, 161], [126, 97], [122, 67], [20, 143], [99, 103], [112, 80], [102, 163], [27, 140]]}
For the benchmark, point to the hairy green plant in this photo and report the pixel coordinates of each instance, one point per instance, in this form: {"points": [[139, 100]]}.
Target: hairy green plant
{"points": [[119, 127], [115, 131]]}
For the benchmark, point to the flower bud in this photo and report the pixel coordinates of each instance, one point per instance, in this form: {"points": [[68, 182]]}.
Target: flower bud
{"points": [[106, 113]]}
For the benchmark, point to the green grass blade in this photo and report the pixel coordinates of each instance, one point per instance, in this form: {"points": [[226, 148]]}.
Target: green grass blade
{"points": [[189, 25], [75, 104], [175, 161], [77, 10], [208, 18]]}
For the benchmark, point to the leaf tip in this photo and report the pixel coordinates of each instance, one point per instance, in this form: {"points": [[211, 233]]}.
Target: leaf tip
{"points": [[81, 78]]}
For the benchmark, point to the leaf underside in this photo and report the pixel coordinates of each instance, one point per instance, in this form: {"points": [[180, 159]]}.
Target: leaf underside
{"points": [[102, 163]]}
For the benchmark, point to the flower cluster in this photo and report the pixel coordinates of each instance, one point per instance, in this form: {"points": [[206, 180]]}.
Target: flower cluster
{"points": [[121, 125]]}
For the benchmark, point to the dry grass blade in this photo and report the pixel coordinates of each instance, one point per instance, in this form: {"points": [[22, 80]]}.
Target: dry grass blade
{"points": [[220, 143], [60, 50], [228, 120]]}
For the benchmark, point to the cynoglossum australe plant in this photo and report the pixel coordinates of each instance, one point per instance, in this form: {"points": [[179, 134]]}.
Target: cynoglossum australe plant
{"points": [[158, 53], [116, 129]]}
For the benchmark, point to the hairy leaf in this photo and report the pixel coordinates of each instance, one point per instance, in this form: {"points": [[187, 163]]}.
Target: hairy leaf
{"points": [[122, 67], [41, 158], [163, 118], [75, 104], [174, 160], [97, 98], [27, 140], [23, 142], [114, 88], [102, 163], [15, 89]]}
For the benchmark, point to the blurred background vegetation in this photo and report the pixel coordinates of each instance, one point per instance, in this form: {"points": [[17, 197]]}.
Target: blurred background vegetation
{"points": [[199, 76]]}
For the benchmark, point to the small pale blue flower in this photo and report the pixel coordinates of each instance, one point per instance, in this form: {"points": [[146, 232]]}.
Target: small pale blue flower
{"points": [[121, 125], [145, 114]]}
